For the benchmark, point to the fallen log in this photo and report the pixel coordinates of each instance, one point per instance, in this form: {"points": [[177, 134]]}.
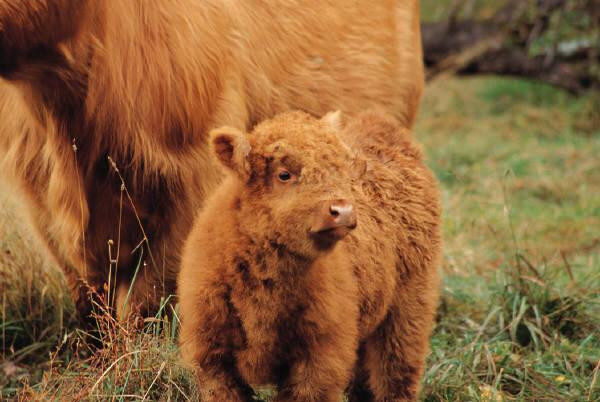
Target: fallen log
{"points": [[504, 45]]}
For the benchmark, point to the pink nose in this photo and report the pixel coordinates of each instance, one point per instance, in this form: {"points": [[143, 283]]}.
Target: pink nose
{"points": [[337, 218], [332, 221], [343, 214]]}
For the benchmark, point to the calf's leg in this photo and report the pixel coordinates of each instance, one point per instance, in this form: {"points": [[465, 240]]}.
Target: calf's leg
{"points": [[210, 333], [395, 353], [359, 390], [322, 367]]}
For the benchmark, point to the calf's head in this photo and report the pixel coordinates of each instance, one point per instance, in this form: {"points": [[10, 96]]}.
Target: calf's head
{"points": [[294, 181]]}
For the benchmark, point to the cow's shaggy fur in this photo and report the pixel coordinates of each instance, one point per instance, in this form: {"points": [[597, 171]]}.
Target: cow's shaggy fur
{"points": [[263, 301], [142, 81]]}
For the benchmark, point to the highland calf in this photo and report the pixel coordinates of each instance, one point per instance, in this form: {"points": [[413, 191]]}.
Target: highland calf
{"points": [[314, 264], [142, 82]]}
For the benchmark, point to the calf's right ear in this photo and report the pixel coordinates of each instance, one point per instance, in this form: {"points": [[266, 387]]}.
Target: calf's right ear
{"points": [[231, 147]]}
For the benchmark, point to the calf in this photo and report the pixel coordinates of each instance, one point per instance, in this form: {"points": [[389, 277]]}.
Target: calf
{"points": [[313, 266]]}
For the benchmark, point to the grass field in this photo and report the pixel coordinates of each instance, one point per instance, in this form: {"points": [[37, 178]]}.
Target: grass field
{"points": [[519, 166], [520, 172]]}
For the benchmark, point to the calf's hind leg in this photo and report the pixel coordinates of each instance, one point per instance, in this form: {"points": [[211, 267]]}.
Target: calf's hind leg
{"points": [[395, 353]]}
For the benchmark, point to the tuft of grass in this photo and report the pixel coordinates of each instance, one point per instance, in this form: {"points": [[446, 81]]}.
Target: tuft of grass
{"points": [[35, 308]]}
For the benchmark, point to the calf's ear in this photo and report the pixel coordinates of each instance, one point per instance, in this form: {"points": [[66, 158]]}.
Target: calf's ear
{"points": [[333, 119], [231, 147]]}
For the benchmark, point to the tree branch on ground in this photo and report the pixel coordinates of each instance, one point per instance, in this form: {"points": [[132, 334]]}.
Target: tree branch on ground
{"points": [[524, 38]]}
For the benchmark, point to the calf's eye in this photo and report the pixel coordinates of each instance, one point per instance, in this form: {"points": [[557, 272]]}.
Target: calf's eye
{"points": [[284, 175]]}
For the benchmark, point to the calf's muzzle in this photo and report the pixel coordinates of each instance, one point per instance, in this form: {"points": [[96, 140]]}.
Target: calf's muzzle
{"points": [[333, 220]]}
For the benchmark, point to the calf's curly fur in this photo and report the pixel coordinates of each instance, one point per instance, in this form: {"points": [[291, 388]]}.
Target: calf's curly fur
{"points": [[265, 300]]}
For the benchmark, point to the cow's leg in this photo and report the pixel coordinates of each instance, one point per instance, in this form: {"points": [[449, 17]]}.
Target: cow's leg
{"points": [[88, 296], [149, 291], [59, 236]]}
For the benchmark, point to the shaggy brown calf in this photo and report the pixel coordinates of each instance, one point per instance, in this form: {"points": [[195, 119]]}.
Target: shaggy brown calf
{"points": [[142, 82], [314, 263]]}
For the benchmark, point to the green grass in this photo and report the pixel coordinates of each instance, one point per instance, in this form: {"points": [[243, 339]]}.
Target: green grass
{"points": [[519, 168], [436, 10]]}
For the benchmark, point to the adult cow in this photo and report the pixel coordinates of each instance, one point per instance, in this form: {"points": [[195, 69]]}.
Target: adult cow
{"points": [[105, 106]]}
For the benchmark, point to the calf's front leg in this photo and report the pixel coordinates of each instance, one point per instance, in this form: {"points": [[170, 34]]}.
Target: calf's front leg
{"points": [[209, 334], [323, 365]]}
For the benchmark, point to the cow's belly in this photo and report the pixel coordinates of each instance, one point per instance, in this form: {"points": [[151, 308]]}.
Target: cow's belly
{"points": [[317, 59]]}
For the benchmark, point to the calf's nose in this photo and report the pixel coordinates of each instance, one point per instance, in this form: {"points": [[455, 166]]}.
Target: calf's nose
{"points": [[342, 213], [333, 221]]}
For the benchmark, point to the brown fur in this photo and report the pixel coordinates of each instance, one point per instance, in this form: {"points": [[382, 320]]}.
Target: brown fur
{"points": [[142, 81], [263, 302]]}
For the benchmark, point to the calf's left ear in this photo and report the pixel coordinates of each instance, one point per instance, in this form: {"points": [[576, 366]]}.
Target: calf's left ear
{"points": [[333, 119], [231, 147]]}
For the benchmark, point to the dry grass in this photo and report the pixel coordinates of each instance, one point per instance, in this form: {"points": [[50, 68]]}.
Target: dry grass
{"points": [[45, 356]]}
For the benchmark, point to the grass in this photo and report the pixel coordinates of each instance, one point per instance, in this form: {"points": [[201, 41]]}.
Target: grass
{"points": [[520, 313], [46, 357], [518, 164], [436, 10]]}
